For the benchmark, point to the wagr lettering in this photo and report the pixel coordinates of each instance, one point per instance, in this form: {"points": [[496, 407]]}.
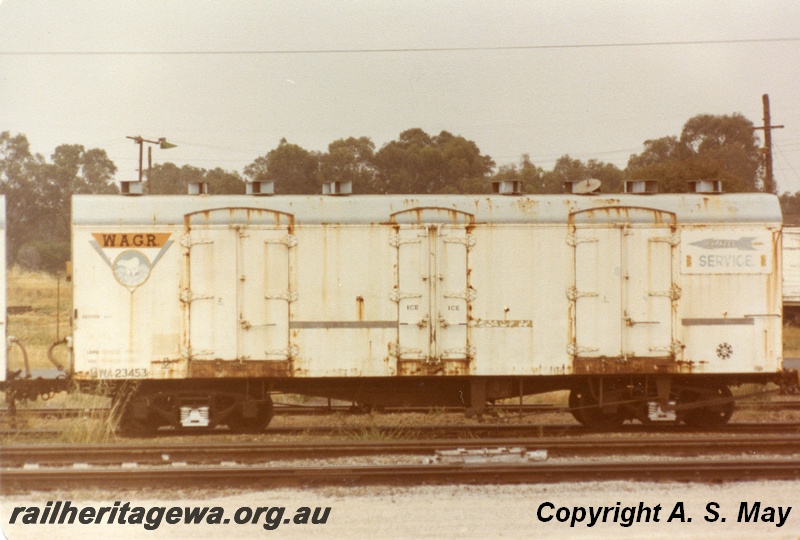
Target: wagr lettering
{"points": [[131, 240]]}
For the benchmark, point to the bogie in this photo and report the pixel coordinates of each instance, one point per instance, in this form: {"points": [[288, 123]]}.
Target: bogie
{"points": [[609, 403], [146, 412]]}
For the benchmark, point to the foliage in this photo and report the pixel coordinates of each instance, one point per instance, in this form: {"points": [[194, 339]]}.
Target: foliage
{"points": [[221, 182], [419, 163], [47, 256], [790, 206], [169, 179], [415, 163], [38, 192], [709, 148], [18, 170], [350, 159], [531, 176], [293, 169], [567, 169]]}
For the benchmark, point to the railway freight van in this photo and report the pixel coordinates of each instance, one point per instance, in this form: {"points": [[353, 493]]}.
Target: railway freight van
{"points": [[642, 306]]}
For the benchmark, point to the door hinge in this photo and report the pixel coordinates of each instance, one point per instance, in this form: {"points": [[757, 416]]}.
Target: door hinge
{"points": [[573, 240], [396, 296], [289, 296], [187, 296], [469, 294], [289, 240]]}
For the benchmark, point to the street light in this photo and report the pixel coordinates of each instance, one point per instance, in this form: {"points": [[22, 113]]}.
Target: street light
{"points": [[161, 142]]}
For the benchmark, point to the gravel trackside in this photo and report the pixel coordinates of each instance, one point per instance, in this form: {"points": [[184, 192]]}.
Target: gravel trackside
{"points": [[445, 512]]}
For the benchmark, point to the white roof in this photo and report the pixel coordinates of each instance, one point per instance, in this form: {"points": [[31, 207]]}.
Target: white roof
{"points": [[371, 209]]}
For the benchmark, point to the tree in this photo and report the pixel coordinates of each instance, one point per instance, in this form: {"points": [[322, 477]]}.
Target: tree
{"points": [[18, 169], [790, 206], [166, 179], [531, 176], [221, 182], [709, 148], [85, 171], [293, 169], [38, 193], [351, 159], [419, 163], [568, 169], [74, 170]]}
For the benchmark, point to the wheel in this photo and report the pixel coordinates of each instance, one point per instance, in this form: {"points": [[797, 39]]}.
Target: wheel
{"points": [[241, 423], [574, 405], [134, 425], [713, 415], [586, 410]]}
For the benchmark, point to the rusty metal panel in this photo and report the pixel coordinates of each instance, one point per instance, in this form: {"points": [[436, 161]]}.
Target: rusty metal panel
{"points": [[598, 293], [415, 333], [215, 369], [624, 294], [453, 293], [733, 251], [433, 296], [126, 313], [791, 266], [237, 288], [619, 366], [516, 294], [730, 306], [345, 319], [648, 292], [322, 287], [211, 294]]}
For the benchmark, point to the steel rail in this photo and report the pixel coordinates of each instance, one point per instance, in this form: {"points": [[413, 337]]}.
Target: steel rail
{"points": [[321, 410], [519, 429], [456, 431], [215, 453], [546, 472], [298, 410]]}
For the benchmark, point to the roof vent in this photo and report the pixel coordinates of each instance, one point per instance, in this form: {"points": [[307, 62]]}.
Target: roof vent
{"points": [[198, 188], [706, 186], [337, 187], [507, 187], [130, 187], [590, 186], [642, 187], [260, 188]]}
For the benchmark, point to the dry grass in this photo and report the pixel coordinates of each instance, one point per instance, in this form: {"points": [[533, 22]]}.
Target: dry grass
{"points": [[45, 319], [40, 306], [791, 341]]}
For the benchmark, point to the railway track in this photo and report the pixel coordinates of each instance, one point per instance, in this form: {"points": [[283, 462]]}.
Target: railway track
{"points": [[454, 431], [17, 456], [294, 410], [135, 466], [240, 477], [316, 410]]}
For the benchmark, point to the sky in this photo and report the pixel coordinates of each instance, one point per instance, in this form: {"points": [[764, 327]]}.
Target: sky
{"points": [[226, 81]]}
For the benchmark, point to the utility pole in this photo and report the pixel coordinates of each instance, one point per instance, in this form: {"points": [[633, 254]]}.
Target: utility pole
{"points": [[161, 142], [769, 180]]}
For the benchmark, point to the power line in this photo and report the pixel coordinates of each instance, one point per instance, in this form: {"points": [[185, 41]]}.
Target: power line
{"points": [[403, 49], [788, 162]]}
